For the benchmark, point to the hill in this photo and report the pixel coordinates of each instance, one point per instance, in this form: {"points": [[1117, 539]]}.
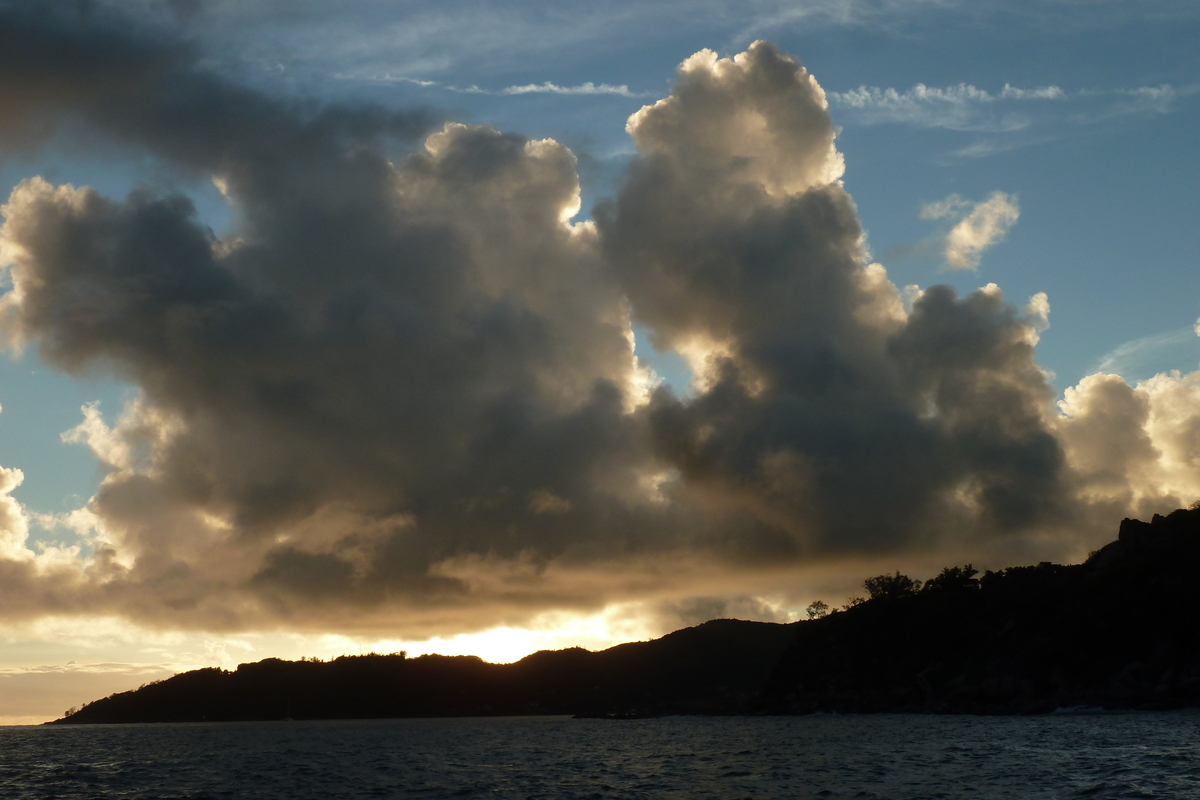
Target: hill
{"points": [[1121, 630], [717, 667]]}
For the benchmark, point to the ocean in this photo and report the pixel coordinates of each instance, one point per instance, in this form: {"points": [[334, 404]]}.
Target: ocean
{"points": [[1136, 755]]}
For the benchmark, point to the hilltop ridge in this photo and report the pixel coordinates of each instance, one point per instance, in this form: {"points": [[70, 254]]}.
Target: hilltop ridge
{"points": [[717, 667]]}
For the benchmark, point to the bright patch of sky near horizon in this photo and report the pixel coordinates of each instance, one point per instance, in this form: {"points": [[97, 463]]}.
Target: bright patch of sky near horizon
{"points": [[1095, 136]]}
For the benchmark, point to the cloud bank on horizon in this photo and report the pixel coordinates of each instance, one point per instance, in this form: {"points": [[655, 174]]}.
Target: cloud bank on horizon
{"points": [[402, 394]]}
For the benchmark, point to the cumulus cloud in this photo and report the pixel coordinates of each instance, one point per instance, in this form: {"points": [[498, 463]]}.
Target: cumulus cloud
{"points": [[822, 389], [977, 227], [372, 375], [1134, 446], [14, 527], [401, 394]]}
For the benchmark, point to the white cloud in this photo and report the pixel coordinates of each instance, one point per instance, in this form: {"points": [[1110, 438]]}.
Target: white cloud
{"points": [[382, 77], [959, 107], [1136, 445], [1001, 120], [1037, 313], [546, 87], [583, 88], [952, 205], [1152, 98], [1010, 92], [14, 526], [1149, 355], [980, 225]]}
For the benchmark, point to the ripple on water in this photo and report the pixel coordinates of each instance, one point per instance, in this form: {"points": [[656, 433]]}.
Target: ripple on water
{"points": [[886, 757]]}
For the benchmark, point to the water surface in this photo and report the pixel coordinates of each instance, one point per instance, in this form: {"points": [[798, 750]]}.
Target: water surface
{"points": [[828, 757]]}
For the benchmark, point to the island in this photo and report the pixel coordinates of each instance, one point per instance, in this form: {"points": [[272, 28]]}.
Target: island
{"points": [[1119, 631]]}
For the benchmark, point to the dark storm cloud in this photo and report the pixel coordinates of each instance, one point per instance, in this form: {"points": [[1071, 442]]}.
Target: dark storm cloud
{"points": [[63, 61], [385, 366], [402, 393]]}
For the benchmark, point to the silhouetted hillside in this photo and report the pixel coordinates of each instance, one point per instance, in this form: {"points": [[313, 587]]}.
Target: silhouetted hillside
{"points": [[717, 667], [1121, 631]]}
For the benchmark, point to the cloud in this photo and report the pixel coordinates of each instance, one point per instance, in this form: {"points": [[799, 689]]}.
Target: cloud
{"points": [[978, 226], [736, 244], [1010, 92], [401, 395], [467, 38], [1150, 98], [695, 610], [583, 88], [1001, 120], [385, 77], [962, 107], [546, 87], [372, 375], [14, 527], [1134, 446], [1146, 356], [33, 695]]}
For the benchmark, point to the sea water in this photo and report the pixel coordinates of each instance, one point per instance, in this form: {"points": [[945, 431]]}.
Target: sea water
{"points": [[829, 757]]}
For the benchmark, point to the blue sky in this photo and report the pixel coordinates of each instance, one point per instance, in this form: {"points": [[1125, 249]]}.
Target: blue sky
{"points": [[1056, 139]]}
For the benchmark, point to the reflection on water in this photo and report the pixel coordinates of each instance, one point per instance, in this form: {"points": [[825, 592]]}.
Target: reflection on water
{"points": [[829, 757]]}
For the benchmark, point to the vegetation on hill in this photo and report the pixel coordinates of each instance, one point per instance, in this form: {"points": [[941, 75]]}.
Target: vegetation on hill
{"points": [[1119, 631]]}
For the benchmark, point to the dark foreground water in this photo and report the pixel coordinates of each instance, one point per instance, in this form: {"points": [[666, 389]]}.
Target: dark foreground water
{"points": [[828, 757]]}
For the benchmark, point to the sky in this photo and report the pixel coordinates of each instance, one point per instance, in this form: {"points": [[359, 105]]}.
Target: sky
{"points": [[475, 327]]}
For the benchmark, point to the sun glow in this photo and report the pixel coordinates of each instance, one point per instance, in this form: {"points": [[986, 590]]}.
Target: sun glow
{"points": [[551, 631]]}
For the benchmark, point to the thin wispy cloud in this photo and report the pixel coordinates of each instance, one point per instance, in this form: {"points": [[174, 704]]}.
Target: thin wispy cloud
{"points": [[385, 77], [922, 96], [965, 107], [101, 667], [584, 88], [546, 87], [1140, 358], [1142, 100], [1010, 92]]}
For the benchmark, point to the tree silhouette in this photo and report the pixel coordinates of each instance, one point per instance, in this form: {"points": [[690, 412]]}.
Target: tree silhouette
{"points": [[954, 578], [891, 587]]}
